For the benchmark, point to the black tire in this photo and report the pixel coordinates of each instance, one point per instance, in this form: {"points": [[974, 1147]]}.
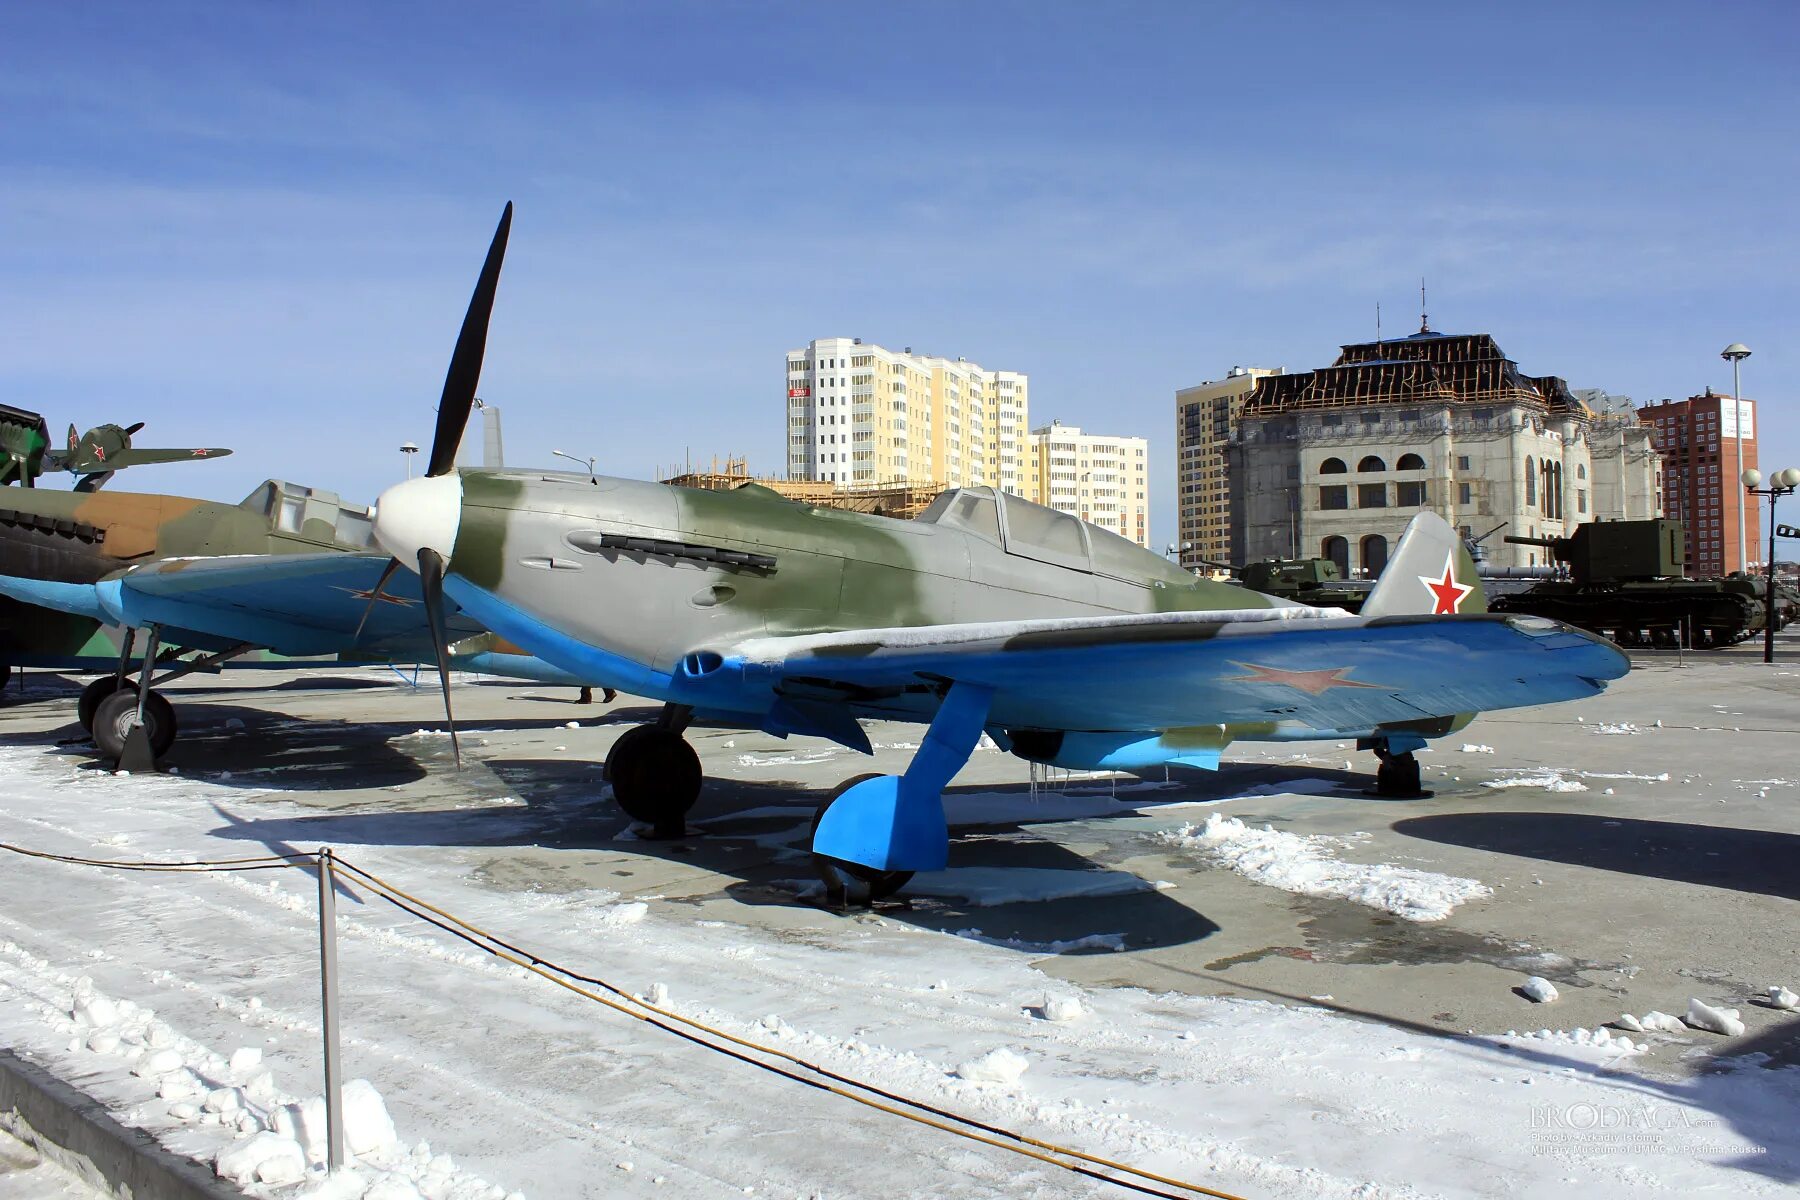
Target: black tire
{"points": [[94, 693], [848, 882], [5, 675], [655, 776], [117, 714], [1398, 775]]}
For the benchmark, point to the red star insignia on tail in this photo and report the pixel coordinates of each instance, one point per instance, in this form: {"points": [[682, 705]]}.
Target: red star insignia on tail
{"points": [[1446, 593]]}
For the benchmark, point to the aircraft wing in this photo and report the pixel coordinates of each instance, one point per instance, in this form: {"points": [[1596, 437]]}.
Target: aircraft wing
{"points": [[298, 604], [1317, 667]]}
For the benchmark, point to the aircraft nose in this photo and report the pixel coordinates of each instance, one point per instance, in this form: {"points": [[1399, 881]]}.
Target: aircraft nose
{"points": [[417, 514]]}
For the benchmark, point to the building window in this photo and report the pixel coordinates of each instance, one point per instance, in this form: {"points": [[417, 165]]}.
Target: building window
{"points": [[1336, 496], [1374, 555], [1581, 470], [1371, 463], [1462, 462], [1464, 494], [1410, 462], [1530, 481], [1371, 495], [1581, 501], [1337, 549], [1332, 466], [1412, 495]]}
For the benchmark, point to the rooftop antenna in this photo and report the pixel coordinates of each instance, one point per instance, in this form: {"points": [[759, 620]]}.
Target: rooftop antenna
{"points": [[1378, 324], [1424, 318]]}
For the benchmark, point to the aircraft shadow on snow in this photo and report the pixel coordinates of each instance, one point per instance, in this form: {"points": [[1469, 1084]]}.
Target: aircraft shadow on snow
{"points": [[1758, 861], [753, 833]]}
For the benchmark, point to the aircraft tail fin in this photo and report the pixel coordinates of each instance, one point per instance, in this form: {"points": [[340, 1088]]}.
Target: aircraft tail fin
{"points": [[1430, 573]]}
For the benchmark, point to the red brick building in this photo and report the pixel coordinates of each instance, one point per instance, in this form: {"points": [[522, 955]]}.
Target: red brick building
{"points": [[1700, 478]]}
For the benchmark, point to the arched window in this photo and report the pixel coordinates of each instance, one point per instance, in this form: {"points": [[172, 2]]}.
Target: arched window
{"points": [[1556, 489], [1337, 549], [1332, 466], [1374, 555], [1530, 481], [1371, 463], [1410, 462], [1581, 470]]}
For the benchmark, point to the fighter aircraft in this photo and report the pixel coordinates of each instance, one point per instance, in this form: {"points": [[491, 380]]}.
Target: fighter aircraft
{"points": [[989, 614], [72, 562], [93, 457]]}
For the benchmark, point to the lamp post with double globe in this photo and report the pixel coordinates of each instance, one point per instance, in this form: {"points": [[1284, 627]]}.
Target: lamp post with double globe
{"points": [[1781, 483]]}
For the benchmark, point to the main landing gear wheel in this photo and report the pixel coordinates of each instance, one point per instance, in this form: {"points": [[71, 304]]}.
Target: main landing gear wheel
{"points": [[847, 882], [117, 715], [1398, 776], [655, 777], [97, 691]]}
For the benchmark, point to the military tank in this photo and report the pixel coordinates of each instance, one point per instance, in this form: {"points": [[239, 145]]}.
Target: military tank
{"points": [[1626, 581], [1313, 581]]}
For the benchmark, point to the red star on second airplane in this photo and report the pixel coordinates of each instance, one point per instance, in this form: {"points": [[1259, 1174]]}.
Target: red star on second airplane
{"points": [[1447, 594]]}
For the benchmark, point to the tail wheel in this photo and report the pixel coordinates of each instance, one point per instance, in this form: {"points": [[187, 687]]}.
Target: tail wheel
{"points": [[848, 882], [118, 715], [95, 692]]}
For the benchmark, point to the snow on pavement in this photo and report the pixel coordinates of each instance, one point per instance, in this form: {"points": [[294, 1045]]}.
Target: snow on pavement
{"points": [[512, 1080], [1306, 864]]}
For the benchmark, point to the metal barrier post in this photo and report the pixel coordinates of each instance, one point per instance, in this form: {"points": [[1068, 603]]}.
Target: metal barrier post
{"points": [[334, 1097]]}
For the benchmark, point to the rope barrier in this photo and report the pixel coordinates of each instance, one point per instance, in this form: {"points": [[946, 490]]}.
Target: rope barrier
{"points": [[688, 1029]]}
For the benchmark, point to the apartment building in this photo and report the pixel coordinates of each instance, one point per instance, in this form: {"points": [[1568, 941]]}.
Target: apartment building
{"points": [[1205, 416], [1699, 447], [1102, 479], [862, 414]]}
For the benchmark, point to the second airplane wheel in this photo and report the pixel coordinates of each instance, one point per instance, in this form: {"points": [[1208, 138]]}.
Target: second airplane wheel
{"points": [[94, 693], [848, 882], [655, 777], [117, 714]]}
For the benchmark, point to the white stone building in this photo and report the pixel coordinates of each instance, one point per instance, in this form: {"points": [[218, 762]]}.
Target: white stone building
{"points": [[1333, 463]]}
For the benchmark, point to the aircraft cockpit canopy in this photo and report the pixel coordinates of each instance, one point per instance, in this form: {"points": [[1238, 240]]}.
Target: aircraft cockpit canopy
{"points": [[1045, 534], [313, 514]]}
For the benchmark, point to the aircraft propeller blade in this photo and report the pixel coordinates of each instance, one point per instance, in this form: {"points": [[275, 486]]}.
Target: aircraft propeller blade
{"points": [[465, 364], [431, 574], [387, 573]]}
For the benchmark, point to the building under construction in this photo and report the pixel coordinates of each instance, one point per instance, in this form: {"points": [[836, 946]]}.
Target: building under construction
{"points": [[1333, 463], [902, 499]]}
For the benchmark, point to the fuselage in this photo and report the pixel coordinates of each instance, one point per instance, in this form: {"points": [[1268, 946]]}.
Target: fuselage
{"points": [[631, 577]]}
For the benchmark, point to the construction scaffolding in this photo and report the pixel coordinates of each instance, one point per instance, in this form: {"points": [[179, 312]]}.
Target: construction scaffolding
{"points": [[903, 499]]}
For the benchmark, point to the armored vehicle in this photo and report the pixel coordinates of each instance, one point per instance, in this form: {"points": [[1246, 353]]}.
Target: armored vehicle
{"points": [[1314, 581], [1625, 581]]}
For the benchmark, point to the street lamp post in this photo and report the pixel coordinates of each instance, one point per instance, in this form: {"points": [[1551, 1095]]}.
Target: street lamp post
{"points": [[1781, 483], [1737, 352]]}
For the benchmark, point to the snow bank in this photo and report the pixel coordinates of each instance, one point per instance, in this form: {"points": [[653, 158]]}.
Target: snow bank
{"points": [[1601, 1044], [1702, 1015], [1550, 781], [263, 1158], [996, 1066], [1304, 864]]}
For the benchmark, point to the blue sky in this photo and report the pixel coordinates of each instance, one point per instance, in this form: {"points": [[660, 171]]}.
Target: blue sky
{"points": [[256, 224]]}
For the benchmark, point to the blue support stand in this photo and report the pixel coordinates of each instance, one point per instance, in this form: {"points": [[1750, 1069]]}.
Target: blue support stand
{"points": [[896, 823]]}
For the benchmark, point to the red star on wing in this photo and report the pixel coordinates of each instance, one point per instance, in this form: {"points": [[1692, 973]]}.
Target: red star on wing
{"points": [[1446, 593], [1313, 683], [199, 454]]}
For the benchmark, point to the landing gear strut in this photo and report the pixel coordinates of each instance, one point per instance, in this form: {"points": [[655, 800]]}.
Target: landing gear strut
{"points": [[1397, 776], [655, 774], [131, 722]]}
